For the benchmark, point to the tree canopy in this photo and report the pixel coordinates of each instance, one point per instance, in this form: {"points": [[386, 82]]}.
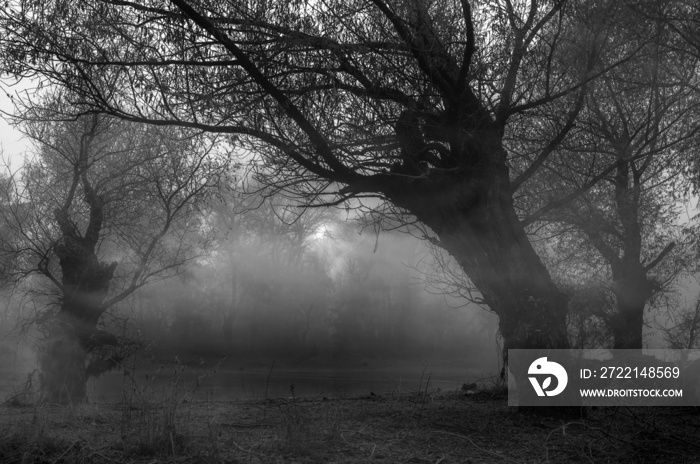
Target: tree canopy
{"points": [[456, 115]]}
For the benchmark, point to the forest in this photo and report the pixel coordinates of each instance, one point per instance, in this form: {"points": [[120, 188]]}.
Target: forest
{"points": [[343, 183]]}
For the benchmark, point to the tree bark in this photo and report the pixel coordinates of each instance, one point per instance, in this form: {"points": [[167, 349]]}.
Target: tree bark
{"points": [[62, 362], [73, 334], [477, 224], [475, 220], [632, 290]]}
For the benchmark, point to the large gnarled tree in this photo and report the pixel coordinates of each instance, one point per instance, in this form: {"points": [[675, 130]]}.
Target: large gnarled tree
{"points": [[407, 101], [106, 207]]}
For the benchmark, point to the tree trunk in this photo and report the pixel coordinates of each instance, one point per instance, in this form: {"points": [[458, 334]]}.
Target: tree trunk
{"points": [[72, 334], [627, 327], [473, 215], [476, 223], [632, 290], [517, 287], [62, 362]]}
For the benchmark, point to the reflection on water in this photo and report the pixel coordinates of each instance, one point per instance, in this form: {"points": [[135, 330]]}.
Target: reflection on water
{"points": [[241, 380], [250, 382]]}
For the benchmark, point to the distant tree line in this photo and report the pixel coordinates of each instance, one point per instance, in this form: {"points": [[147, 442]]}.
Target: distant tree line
{"points": [[331, 298]]}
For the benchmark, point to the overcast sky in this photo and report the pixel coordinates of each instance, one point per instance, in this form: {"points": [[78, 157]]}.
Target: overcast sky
{"points": [[11, 140]]}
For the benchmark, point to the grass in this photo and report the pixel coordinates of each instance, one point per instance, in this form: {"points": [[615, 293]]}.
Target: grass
{"points": [[153, 420], [153, 425], [307, 431]]}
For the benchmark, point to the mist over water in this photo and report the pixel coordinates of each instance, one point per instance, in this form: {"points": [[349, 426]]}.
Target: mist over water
{"points": [[236, 380], [336, 313]]}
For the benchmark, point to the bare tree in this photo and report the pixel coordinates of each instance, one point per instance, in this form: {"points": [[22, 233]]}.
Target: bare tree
{"points": [[644, 124], [106, 207], [409, 102]]}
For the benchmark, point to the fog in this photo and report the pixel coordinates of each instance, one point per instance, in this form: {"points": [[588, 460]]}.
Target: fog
{"points": [[280, 300]]}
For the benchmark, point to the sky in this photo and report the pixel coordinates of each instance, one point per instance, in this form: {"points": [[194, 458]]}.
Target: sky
{"points": [[12, 142]]}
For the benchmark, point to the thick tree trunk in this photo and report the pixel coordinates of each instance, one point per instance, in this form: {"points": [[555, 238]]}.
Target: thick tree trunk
{"points": [[517, 287], [627, 327], [477, 224], [632, 290], [515, 284], [73, 334], [473, 215], [62, 362], [631, 286]]}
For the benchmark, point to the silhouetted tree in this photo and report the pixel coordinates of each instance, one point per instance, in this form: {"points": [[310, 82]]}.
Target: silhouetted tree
{"points": [[641, 118], [410, 102], [106, 207]]}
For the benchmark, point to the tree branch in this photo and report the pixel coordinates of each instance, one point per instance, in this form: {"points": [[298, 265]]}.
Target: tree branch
{"points": [[339, 171], [660, 257]]}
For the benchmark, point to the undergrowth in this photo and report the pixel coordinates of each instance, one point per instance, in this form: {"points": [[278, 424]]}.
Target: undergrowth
{"points": [[156, 423], [154, 419]]}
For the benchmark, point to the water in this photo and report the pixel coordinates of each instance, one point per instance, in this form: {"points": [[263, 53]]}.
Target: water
{"points": [[260, 381], [235, 380]]}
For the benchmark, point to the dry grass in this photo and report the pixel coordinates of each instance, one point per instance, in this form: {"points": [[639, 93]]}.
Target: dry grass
{"points": [[426, 427]]}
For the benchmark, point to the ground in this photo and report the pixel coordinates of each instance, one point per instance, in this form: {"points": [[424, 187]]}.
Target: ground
{"points": [[420, 427]]}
